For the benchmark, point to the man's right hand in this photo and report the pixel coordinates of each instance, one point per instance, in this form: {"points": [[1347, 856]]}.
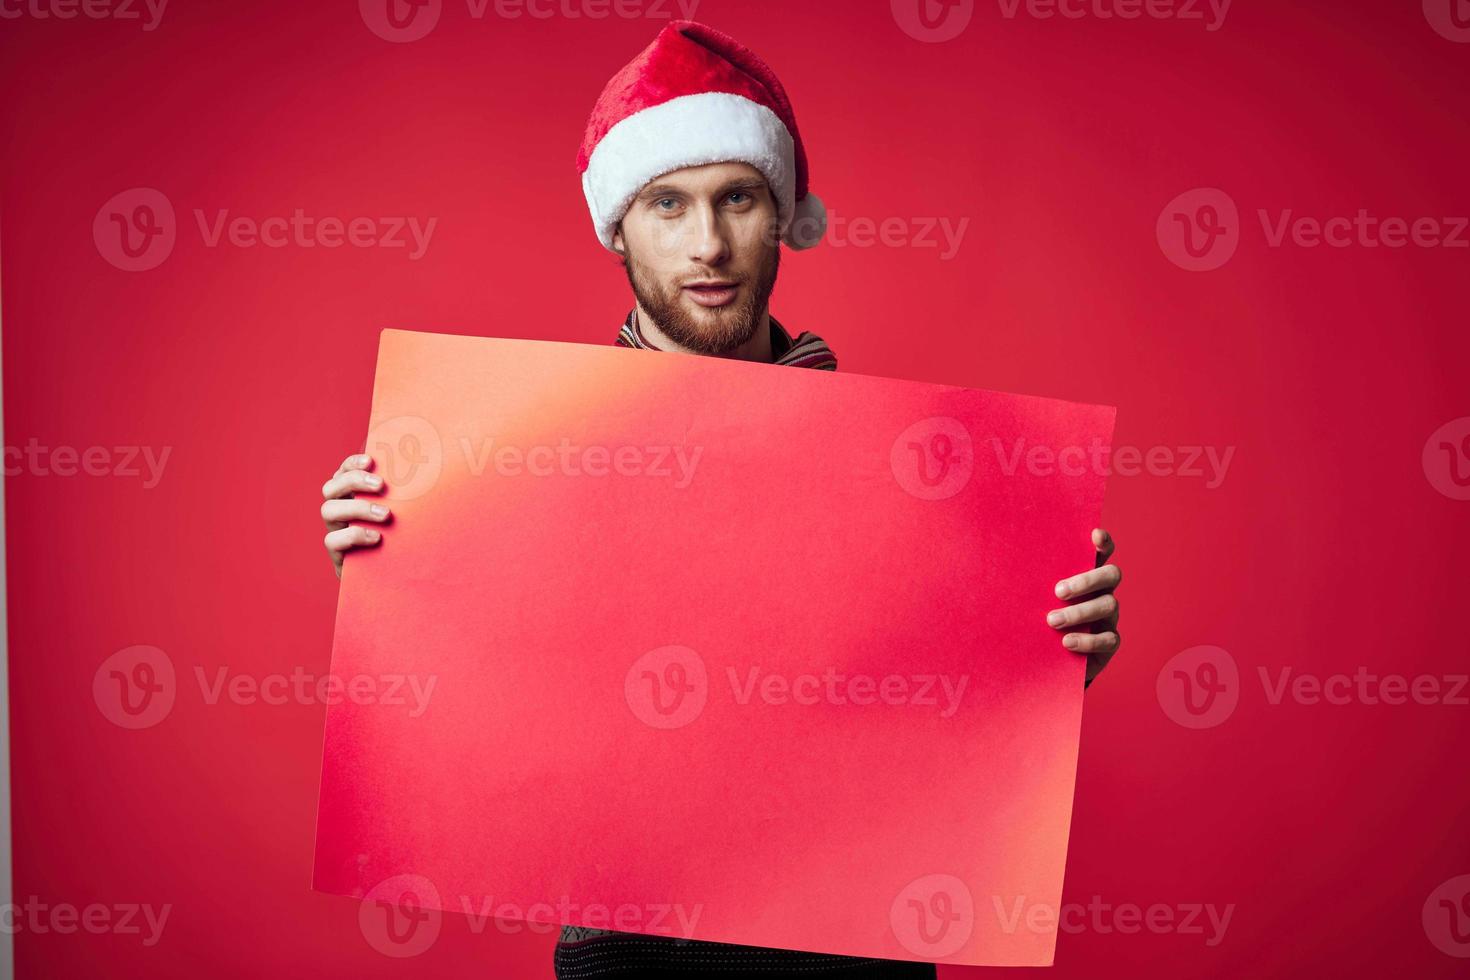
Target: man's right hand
{"points": [[341, 506]]}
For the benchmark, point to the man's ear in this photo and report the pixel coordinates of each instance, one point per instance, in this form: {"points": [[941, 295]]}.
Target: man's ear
{"points": [[617, 241]]}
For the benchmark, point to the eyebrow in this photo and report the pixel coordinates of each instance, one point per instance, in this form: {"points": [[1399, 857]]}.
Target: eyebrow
{"points": [[669, 190]]}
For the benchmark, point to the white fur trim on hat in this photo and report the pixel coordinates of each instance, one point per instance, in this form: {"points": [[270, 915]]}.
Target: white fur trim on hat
{"points": [[689, 131]]}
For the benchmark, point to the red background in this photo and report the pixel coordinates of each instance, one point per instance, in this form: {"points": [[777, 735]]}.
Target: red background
{"points": [[1324, 549]]}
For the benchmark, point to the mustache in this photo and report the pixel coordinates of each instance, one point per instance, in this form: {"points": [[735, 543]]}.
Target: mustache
{"points": [[705, 277]]}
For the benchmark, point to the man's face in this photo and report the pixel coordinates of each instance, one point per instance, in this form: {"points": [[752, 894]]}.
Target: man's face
{"points": [[702, 254]]}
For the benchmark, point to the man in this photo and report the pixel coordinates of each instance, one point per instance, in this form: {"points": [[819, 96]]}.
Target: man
{"points": [[694, 172]]}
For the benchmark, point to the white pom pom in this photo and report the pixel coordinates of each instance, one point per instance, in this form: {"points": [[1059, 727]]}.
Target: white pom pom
{"points": [[808, 223]]}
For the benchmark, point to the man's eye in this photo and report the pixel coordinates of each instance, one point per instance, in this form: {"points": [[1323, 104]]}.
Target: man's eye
{"points": [[736, 194], [662, 201]]}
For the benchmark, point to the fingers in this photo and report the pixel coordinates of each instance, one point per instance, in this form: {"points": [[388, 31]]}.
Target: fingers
{"points": [[351, 481], [338, 512], [1103, 542], [1100, 646], [357, 461], [1098, 580], [344, 539], [1103, 609]]}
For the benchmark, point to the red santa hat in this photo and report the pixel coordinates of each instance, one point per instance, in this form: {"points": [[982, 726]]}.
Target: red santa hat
{"points": [[695, 96]]}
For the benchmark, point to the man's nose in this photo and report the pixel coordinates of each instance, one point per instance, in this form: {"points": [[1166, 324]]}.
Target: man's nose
{"points": [[709, 241]]}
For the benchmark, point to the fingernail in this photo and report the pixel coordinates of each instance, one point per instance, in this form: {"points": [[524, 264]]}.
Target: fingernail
{"points": [[364, 460], [379, 510], [1062, 590], [1070, 641], [372, 536], [374, 481], [1056, 617]]}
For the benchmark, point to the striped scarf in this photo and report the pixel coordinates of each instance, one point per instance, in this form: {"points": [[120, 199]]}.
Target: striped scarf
{"points": [[807, 350]]}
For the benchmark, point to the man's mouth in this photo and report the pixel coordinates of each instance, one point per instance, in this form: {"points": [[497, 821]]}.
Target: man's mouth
{"points": [[712, 292]]}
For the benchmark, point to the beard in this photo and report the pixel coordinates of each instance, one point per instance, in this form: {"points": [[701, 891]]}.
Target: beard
{"points": [[715, 330]]}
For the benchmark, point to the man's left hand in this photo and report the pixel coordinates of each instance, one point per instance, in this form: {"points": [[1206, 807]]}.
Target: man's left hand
{"points": [[1094, 608]]}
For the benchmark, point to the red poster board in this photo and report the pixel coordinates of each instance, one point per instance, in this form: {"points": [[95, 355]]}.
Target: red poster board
{"points": [[703, 648]]}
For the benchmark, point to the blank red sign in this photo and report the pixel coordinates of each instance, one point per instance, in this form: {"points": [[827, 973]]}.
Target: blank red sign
{"points": [[693, 647]]}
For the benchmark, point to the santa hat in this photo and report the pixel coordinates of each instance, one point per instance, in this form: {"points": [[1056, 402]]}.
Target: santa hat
{"points": [[695, 96]]}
